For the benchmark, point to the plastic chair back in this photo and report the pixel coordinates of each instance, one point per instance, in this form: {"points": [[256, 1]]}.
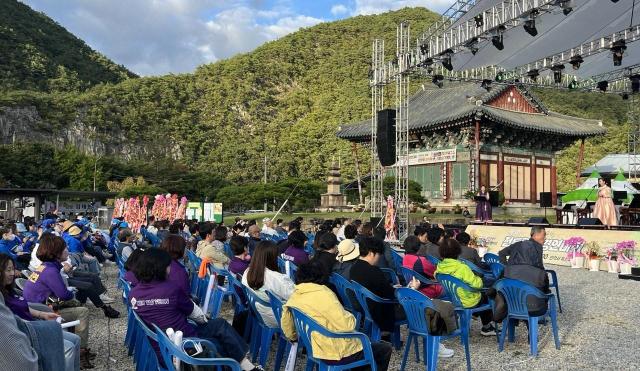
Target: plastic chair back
{"points": [[276, 306], [473, 267], [451, 285], [515, 293], [253, 299], [435, 261], [497, 269], [415, 304], [397, 258], [363, 295], [169, 350], [345, 292], [491, 258], [409, 273], [391, 275]]}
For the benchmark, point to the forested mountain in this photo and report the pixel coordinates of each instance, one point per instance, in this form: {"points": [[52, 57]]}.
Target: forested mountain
{"points": [[284, 100], [37, 53]]}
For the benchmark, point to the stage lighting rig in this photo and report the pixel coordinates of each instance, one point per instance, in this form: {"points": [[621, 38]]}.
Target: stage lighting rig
{"points": [[635, 83], [499, 76], [472, 45], [533, 74], [498, 40], [557, 73], [566, 6], [576, 61], [424, 49], [603, 85], [446, 60], [437, 80], [618, 49], [530, 24], [479, 20], [486, 84]]}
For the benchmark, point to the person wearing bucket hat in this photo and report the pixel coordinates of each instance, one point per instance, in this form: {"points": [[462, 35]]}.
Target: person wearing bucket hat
{"points": [[72, 235], [348, 253]]}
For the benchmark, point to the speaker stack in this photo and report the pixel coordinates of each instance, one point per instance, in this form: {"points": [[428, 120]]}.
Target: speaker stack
{"points": [[386, 137]]}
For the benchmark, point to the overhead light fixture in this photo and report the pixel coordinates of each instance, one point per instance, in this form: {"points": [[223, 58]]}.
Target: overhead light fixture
{"points": [[576, 61], [437, 80], [635, 83], [446, 60], [426, 63], [533, 74], [618, 49], [614, 1], [557, 73], [499, 76], [603, 85], [530, 24], [486, 84], [479, 20], [497, 40], [566, 6], [424, 49], [472, 45], [573, 85]]}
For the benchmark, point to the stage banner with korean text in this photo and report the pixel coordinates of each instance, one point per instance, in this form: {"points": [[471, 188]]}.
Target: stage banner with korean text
{"points": [[495, 238]]}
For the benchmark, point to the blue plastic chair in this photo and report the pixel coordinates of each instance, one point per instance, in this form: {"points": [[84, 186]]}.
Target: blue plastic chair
{"points": [[475, 268], [221, 292], [170, 350], [284, 345], [363, 295], [515, 293], [240, 304], [397, 259], [497, 269], [308, 248], [145, 356], [435, 261], [451, 286], [305, 326], [262, 335], [409, 273], [491, 258], [391, 275], [346, 292], [553, 282], [415, 305], [292, 268], [227, 250]]}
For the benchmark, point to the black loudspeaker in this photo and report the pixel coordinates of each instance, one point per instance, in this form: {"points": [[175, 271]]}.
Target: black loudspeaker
{"points": [[386, 137], [538, 220], [494, 198], [374, 220], [589, 221], [545, 199]]}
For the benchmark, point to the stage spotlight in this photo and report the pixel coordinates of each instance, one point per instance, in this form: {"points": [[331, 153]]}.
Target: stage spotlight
{"points": [[424, 49], [486, 84], [614, 1], [533, 74], [557, 73], [437, 80], [499, 76], [573, 85], [635, 83], [603, 85], [479, 20], [618, 49], [576, 61], [566, 6], [472, 45], [446, 60], [426, 63], [497, 41], [530, 27]]}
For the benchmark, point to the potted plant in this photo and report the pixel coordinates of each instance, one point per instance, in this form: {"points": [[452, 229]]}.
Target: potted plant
{"points": [[625, 256], [612, 260], [592, 251], [574, 254]]}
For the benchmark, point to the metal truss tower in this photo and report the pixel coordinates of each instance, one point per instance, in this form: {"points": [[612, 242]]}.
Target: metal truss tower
{"points": [[403, 57], [377, 103], [634, 138]]}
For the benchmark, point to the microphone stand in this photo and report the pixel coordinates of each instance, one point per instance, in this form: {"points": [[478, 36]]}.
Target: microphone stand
{"points": [[586, 200]]}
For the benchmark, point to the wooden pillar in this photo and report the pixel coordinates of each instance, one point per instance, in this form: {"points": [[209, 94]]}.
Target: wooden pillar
{"points": [[449, 166], [477, 156], [554, 183], [501, 171], [534, 181], [579, 166]]}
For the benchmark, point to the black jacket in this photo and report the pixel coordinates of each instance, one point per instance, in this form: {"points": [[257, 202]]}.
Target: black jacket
{"points": [[471, 254], [372, 278], [524, 263]]}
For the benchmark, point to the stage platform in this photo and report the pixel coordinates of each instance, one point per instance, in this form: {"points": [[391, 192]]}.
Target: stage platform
{"points": [[496, 236]]}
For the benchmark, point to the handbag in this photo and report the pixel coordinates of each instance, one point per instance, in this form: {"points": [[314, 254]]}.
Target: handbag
{"points": [[57, 304]]}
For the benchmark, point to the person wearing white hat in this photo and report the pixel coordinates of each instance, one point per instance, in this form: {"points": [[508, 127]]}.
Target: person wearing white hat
{"points": [[348, 253]]}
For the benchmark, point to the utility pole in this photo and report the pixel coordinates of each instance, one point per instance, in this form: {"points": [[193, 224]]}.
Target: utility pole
{"points": [[265, 181], [95, 171]]}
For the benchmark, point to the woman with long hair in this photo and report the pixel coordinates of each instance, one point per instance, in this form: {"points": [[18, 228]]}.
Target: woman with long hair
{"points": [[175, 246], [262, 276], [604, 209]]}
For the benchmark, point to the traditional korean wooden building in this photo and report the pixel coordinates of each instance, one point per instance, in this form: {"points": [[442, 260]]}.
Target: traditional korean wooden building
{"points": [[463, 136]]}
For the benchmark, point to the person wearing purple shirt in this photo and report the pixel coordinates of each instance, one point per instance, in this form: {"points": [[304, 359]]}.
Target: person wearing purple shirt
{"points": [[174, 245], [295, 252], [240, 262], [47, 282], [159, 301]]}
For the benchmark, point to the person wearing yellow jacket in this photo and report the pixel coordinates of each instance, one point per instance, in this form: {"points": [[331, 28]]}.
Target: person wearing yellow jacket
{"points": [[449, 251], [320, 303]]}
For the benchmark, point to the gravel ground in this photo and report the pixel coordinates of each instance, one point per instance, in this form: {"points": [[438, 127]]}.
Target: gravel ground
{"points": [[598, 330]]}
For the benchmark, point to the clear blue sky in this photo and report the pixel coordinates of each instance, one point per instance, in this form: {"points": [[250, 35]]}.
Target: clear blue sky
{"points": [[153, 37]]}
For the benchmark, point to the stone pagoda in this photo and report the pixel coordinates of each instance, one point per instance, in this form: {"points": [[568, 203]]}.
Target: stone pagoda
{"points": [[333, 199]]}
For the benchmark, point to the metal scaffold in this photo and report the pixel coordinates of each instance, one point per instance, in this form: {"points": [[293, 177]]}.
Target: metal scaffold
{"points": [[402, 131], [377, 103], [634, 138]]}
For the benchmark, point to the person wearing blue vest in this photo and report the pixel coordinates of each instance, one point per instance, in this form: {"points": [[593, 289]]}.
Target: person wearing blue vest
{"points": [[72, 234], [10, 244]]}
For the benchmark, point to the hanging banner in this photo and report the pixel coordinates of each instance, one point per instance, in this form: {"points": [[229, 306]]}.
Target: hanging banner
{"points": [[194, 211], [496, 238], [432, 157]]}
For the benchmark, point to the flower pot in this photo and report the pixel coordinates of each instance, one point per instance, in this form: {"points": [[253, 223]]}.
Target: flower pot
{"points": [[482, 251], [577, 262], [613, 266], [594, 265], [625, 268]]}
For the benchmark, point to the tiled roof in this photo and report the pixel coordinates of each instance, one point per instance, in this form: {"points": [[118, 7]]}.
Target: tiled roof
{"points": [[433, 107]]}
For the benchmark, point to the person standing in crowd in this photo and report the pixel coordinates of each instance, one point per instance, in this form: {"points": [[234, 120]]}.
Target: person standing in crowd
{"points": [[211, 247], [320, 303], [523, 261], [483, 206], [263, 275], [605, 210], [450, 251], [295, 252], [241, 259]]}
